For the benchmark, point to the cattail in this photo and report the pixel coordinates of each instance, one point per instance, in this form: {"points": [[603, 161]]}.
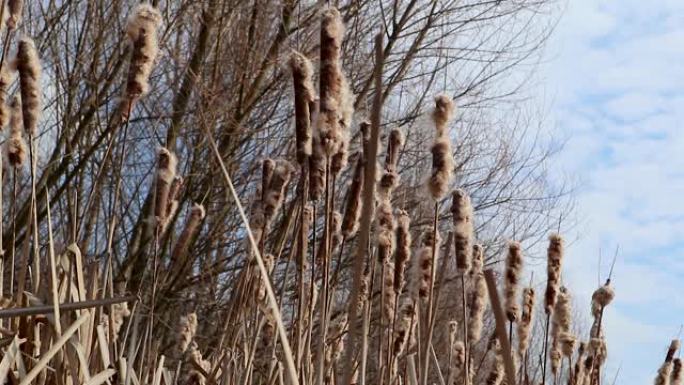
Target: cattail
{"points": [[386, 226], [166, 173], [674, 346], [478, 259], [553, 270], [14, 9], [187, 327], [194, 376], [496, 373], [442, 158], [525, 324], [5, 81], [478, 304], [458, 360], [317, 166], [16, 144], [514, 262], [352, 211], [422, 265], [173, 196], [403, 252], [141, 30], [567, 344], [404, 325], [462, 216], [666, 369], [274, 194], [562, 312], [304, 96], [267, 167], [676, 378], [389, 295], [119, 312], [578, 375], [339, 160], [331, 81], [28, 67], [179, 254], [601, 298], [599, 350], [307, 220], [390, 178], [335, 341]]}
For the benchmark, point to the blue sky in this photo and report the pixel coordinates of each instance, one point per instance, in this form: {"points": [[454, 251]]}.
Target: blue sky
{"points": [[615, 77]]}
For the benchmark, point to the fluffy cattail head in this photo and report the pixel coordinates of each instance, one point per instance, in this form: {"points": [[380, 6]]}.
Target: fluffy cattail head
{"points": [[674, 346], [28, 67], [525, 324], [187, 329], [277, 184], [403, 252], [601, 298], [394, 143], [553, 271], [166, 173], [514, 263], [331, 81], [478, 259], [141, 30], [442, 167], [462, 216], [317, 169], [477, 304], [304, 96], [14, 8], [676, 378], [443, 113], [352, 211], [5, 82], [16, 145]]}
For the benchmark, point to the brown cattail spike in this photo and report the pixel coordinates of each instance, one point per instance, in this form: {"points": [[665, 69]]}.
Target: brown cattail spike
{"points": [[166, 173], [403, 252], [462, 216], [142, 34], [331, 81], [352, 210], [525, 324], [14, 8], [442, 158], [304, 96], [553, 271], [5, 82], [514, 264], [16, 144], [28, 67]]}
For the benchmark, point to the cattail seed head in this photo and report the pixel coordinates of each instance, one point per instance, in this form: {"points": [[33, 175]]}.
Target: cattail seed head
{"points": [[462, 216], [141, 30], [304, 96], [443, 113], [394, 143], [166, 173], [16, 144], [404, 326], [514, 263], [192, 224], [674, 346], [601, 298], [676, 378], [14, 8], [442, 158], [187, 327], [567, 344], [331, 82], [317, 169], [28, 67], [277, 184], [421, 279], [553, 270], [478, 259], [5, 82], [525, 324], [352, 212], [403, 252], [477, 304]]}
